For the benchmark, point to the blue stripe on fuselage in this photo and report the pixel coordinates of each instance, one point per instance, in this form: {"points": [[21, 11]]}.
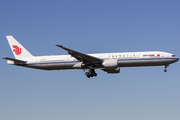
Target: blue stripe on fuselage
{"points": [[129, 59]]}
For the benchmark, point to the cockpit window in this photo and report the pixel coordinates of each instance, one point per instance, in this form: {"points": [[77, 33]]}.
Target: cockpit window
{"points": [[173, 56]]}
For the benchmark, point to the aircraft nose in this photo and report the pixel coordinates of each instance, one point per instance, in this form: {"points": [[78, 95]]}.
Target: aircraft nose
{"points": [[176, 59]]}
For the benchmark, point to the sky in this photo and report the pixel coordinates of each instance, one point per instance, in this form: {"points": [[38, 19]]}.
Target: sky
{"points": [[90, 26]]}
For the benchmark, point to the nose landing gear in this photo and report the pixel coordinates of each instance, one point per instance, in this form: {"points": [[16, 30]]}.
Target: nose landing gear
{"points": [[165, 70]]}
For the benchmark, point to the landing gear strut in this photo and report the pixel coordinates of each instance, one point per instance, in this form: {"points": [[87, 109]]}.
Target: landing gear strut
{"points": [[165, 70], [91, 73]]}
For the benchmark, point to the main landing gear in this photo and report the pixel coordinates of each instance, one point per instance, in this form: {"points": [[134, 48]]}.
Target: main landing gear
{"points": [[165, 70], [91, 73]]}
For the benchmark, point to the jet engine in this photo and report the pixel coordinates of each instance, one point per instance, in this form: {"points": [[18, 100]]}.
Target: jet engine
{"points": [[110, 63], [79, 65], [111, 66]]}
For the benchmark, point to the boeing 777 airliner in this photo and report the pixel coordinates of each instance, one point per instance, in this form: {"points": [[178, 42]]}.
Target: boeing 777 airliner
{"points": [[108, 62]]}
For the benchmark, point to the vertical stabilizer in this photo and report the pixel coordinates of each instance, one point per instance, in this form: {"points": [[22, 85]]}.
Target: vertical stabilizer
{"points": [[18, 50]]}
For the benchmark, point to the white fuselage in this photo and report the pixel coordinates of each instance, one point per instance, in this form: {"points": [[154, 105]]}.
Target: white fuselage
{"points": [[108, 62], [125, 59]]}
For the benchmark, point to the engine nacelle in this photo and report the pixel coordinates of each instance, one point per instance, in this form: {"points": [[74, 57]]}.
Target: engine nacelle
{"points": [[111, 66], [110, 63], [112, 71], [79, 65]]}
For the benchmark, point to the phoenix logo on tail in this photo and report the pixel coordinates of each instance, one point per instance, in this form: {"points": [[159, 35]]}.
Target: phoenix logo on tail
{"points": [[17, 49]]}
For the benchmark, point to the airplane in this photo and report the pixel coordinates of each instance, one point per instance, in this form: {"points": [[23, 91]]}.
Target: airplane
{"points": [[108, 62]]}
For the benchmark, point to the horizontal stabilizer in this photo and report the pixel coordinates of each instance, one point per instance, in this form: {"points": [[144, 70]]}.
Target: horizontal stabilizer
{"points": [[14, 60]]}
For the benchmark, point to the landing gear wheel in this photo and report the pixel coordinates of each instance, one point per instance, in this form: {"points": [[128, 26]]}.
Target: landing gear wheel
{"points": [[165, 70], [87, 74], [91, 73], [95, 74]]}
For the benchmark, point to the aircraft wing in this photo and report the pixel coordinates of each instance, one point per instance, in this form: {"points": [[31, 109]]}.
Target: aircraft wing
{"points": [[82, 57]]}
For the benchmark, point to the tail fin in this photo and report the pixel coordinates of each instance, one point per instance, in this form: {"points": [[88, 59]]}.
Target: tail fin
{"points": [[18, 50]]}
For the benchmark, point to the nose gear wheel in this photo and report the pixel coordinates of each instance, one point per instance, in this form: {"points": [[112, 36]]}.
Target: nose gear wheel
{"points": [[165, 70]]}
